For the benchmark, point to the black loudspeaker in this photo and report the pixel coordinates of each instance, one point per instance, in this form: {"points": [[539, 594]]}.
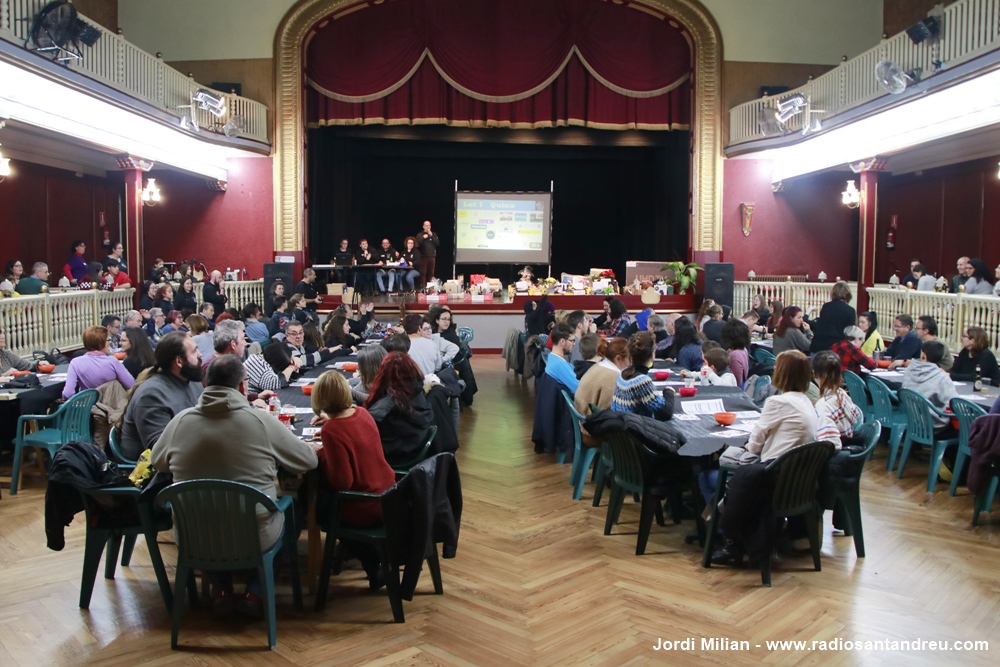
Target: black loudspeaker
{"points": [[277, 271], [922, 30], [719, 278]]}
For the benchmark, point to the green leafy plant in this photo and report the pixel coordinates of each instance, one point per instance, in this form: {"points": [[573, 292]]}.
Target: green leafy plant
{"points": [[684, 276]]}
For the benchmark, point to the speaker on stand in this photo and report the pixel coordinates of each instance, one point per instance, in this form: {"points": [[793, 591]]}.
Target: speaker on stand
{"points": [[276, 271], [719, 277]]}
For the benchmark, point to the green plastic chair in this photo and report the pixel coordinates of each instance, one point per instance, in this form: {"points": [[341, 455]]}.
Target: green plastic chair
{"points": [[885, 410], [849, 499], [217, 529], [377, 536], [629, 477], [920, 430], [795, 494], [403, 467], [859, 395], [764, 357], [70, 422], [966, 412], [115, 445], [583, 457], [466, 334], [105, 533]]}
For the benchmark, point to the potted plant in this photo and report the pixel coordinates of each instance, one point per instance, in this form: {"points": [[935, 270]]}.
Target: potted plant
{"points": [[684, 276]]}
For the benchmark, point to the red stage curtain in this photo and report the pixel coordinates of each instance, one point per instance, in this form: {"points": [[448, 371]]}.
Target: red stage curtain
{"points": [[516, 63]]}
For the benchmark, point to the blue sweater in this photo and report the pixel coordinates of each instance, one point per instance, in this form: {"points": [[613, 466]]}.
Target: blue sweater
{"points": [[907, 347], [690, 357]]}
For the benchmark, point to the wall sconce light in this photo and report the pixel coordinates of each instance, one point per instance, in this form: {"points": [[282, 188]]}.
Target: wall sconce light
{"points": [[4, 168], [851, 197], [150, 193]]}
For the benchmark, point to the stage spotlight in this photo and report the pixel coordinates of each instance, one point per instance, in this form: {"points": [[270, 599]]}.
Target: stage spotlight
{"points": [[209, 101]]}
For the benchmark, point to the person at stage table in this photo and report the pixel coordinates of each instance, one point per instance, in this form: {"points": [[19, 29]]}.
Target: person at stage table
{"points": [[427, 244], [307, 288], [364, 256], [76, 266], [386, 255], [411, 256]]}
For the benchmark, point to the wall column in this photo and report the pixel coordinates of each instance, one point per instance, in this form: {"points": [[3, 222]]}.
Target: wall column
{"points": [[868, 236], [133, 240]]}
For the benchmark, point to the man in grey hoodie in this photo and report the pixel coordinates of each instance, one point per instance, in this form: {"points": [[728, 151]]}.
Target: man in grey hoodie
{"points": [[928, 379]]}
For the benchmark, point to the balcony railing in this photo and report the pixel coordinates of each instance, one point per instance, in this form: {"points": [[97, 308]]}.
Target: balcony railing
{"points": [[806, 296], [969, 28], [239, 292], [114, 61], [954, 313], [57, 320]]}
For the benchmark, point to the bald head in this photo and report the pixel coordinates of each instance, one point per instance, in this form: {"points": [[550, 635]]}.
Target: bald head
{"points": [[669, 320]]}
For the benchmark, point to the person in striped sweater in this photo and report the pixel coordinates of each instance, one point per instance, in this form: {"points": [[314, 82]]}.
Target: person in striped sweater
{"points": [[634, 391]]}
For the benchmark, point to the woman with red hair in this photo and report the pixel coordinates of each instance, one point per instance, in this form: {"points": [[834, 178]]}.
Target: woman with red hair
{"points": [[792, 332], [399, 406]]}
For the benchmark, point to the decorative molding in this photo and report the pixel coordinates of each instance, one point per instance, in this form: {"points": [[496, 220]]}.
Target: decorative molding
{"points": [[289, 118]]}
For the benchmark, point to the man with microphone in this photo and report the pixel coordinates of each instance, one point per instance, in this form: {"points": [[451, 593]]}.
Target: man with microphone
{"points": [[427, 244]]}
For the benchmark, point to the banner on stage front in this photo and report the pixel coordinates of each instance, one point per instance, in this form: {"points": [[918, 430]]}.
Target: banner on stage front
{"points": [[502, 228]]}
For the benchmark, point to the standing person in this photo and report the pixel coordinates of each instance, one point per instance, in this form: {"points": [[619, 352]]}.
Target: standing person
{"points": [[76, 266], [116, 254], [411, 256], [307, 288], [215, 291], [836, 315], [427, 244], [387, 255]]}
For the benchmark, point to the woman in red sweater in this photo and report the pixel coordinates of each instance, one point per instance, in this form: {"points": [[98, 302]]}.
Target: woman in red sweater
{"points": [[351, 458]]}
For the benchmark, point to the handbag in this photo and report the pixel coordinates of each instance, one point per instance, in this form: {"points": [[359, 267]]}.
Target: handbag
{"points": [[29, 381]]}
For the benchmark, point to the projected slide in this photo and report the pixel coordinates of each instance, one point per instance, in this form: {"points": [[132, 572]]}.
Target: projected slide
{"points": [[502, 227]]}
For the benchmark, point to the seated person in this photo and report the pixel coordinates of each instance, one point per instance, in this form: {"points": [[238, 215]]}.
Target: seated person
{"points": [[138, 351], [634, 390], [618, 319], [686, 349], [10, 362], [425, 350], [174, 322], [792, 332], [557, 363], [256, 330], [735, 338], [976, 353], [849, 350], [369, 360], [641, 323], [281, 316], [399, 406], [926, 329], [338, 337], [834, 402], [223, 437], [198, 327], [925, 377], [712, 328], [717, 367], [96, 366], [789, 418], [307, 354], [587, 347], [271, 369], [906, 345]]}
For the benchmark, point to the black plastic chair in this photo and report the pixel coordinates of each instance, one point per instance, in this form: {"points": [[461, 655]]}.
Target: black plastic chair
{"points": [[403, 467], [847, 500]]}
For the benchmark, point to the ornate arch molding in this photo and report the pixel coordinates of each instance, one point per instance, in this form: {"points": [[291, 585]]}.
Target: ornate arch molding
{"points": [[289, 118]]}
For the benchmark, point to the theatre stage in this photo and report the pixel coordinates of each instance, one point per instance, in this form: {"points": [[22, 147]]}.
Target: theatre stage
{"points": [[491, 320]]}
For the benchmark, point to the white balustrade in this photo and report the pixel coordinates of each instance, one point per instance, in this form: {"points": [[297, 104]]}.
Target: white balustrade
{"points": [[954, 313], [116, 62], [242, 292], [970, 28], [806, 296], [58, 319]]}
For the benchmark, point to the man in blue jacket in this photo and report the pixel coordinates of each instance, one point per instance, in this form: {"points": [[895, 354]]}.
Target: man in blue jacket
{"points": [[906, 344]]}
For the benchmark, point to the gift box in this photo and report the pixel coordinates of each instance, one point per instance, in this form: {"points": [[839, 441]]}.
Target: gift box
{"points": [[335, 289]]}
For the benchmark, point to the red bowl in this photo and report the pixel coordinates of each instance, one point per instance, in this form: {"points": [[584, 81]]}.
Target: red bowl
{"points": [[20, 373], [307, 389], [688, 392], [45, 368], [120, 356], [725, 418], [661, 375], [350, 366]]}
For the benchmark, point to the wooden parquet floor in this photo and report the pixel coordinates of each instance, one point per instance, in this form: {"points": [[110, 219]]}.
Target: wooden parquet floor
{"points": [[537, 583]]}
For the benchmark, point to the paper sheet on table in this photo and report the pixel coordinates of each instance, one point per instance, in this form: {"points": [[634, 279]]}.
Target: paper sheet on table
{"points": [[888, 374], [728, 433], [747, 414], [660, 384], [743, 426], [680, 416], [301, 382], [960, 384], [978, 398], [299, 411], [706, 407], [310, 431]]}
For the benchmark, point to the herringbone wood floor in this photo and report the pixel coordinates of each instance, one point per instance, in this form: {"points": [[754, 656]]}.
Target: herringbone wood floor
{"points": [[537, 583]]}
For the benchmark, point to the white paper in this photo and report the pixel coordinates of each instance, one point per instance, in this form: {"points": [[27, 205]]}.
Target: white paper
{"points": [[705, 407], [686, 418], [960, 384], [728, 433], [747, 414], [978, 398], [299, 411], [310, 431], [743, 426]]}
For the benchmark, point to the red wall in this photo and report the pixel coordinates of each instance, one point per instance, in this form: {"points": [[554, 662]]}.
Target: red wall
{"points": [[233, 228], [43, 210], [943, 214], [801, 230]]}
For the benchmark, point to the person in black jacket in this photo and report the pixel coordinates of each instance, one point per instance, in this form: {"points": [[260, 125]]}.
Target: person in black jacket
{"points": [[835, 316], [185, 298], [214, 291], [427, 244], [538, 316], [147, 299], [399, 406], [976, 352]]}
